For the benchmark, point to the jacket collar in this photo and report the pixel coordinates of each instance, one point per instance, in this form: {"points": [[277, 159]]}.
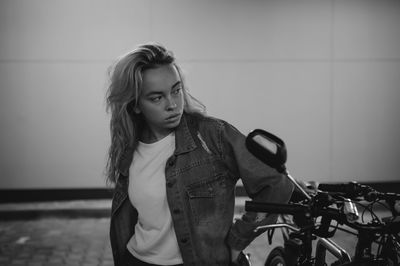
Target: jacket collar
{"points": [[184, 142]]}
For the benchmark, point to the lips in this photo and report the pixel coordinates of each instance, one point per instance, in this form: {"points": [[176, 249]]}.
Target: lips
{"points": [[173, 117]]}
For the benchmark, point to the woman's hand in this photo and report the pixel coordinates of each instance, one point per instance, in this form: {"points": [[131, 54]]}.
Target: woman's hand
{"points": [[234, 256], [311, 187], [238, 258]]}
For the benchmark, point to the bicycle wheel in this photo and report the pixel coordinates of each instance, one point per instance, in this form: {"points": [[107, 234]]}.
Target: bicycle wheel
{"points": [[276, 257]]}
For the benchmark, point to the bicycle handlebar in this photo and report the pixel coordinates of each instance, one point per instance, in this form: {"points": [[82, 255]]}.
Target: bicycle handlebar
{"points": [[347, 188], [279, 208], [294, 209], [332, 213], [354, 190]]}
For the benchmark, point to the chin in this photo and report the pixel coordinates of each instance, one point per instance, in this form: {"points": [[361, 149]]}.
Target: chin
{"points": [[174, 124]]}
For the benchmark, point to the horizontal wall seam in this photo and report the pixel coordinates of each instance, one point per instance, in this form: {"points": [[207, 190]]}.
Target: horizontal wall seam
{"points": [[59, 61]]}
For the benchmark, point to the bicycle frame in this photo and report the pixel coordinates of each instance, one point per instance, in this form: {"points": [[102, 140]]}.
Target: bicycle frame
{"points": [[323, 244]]}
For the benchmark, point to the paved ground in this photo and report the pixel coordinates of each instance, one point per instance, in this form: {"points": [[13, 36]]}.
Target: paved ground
{"points": [[61, 234], [78, 241], [55, 241]]}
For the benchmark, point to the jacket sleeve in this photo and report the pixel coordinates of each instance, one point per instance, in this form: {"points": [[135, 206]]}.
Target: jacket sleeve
{"points": [[261, 183]]}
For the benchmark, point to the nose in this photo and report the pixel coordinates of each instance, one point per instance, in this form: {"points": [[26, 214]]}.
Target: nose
{"points": [[171, 104]]}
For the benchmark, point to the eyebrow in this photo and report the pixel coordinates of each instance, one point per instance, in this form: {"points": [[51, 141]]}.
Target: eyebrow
{"points": [[160, 92]]}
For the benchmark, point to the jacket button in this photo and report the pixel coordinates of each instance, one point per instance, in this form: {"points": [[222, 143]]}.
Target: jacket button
{"points": [[171, 163], [176, 211], [184, 240]]}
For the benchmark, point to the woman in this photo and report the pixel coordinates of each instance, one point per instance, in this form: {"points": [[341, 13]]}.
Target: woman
{"points": [[175, 170]]}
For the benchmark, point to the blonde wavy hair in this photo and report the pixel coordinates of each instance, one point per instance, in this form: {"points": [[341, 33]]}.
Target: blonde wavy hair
{"points": [[122, 97]]}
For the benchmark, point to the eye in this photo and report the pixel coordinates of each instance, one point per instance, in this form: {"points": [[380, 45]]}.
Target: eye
{"points": [[155, 99], [177, 91]]}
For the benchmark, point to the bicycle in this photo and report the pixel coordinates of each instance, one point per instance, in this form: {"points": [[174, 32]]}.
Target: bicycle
{"points": [[332, 202]]}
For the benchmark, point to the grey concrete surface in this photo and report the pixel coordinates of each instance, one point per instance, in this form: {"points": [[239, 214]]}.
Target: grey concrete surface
{"points": [[55, 241], [76, 233], [84, 242]]}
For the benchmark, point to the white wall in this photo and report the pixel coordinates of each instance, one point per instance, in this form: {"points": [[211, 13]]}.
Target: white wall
{"points": [[323, 75]]}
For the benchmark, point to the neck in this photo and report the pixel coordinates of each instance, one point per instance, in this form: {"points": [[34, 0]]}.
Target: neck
{"points": [[151, 136]]}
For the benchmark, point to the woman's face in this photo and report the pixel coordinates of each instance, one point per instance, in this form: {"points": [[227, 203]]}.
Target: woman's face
{"points": [[161, 101]]}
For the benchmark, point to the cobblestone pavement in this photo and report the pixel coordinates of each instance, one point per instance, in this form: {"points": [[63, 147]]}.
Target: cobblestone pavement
{"points": [[84, 242], [76, 234], [64, 241], [54, 241]]}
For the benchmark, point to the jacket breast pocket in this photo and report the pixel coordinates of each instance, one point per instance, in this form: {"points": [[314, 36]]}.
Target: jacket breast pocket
{"points": [[207, 199]]}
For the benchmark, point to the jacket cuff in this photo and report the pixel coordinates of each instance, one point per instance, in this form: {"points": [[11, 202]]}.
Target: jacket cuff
{"points": [[237, 242], [241, 234]]}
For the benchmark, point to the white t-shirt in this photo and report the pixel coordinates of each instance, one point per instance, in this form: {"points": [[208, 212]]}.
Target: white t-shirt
{"points": [[154, 240]]}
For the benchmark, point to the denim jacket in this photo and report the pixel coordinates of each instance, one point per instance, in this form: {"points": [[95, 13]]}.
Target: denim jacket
{"points": [[210, 156]]}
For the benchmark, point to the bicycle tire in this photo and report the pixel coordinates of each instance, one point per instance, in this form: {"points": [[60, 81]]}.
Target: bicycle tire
{"points": [[276, 257]]}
